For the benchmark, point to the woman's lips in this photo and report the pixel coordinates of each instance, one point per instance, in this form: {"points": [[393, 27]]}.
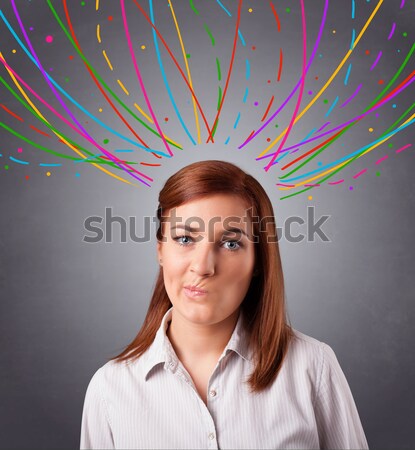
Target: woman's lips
{"points": [[194, 292]]}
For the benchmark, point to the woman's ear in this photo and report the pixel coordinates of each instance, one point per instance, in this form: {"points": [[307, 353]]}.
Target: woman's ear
{"points": [[159, 244]]}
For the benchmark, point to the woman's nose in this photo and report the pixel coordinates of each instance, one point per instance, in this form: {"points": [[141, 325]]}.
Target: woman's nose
{"points": [[203, 262]]}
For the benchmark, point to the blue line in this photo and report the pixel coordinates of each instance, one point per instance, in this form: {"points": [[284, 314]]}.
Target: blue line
{"points": [[88, 159], [283, 156], [332, 106], [72, 99], [353, 38], [308, 135], [220, 4], [245, 96], [237, 120], [346, 79], [124, 151], [227, 140], [18, 160], [49, 165], [241, 38], [353, 9], [361, 150], [248, 69], [163, 73]]}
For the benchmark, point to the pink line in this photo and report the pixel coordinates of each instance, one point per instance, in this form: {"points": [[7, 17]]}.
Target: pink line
{"points": [[376, 60], [300, 96], [285, 185], [381, 159], [403, 148], [392, 31], [351, 97], [140, 80], [360, 173], [311, 185], [336, 182]]}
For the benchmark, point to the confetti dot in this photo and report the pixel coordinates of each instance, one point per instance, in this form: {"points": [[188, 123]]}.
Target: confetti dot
{"points": [[6, 167], [310, 92], [14, 50], [166, 119], [269, 81], [350, 188], [253, 47], [334, 31], [27, 177], [320, 163], [380, 82], [377, 114], [394, 105], [287, 10], [310, 197], [320, 55], [110, 18], [82, 3], [19, 150], [48, 174], [367, 52], [268, 139], [71, 57], [316, 78], [105, 141], [325, 101], [188, 55], [256, 103], [404, 34], [31, 28], [370, 130], [250, 10], [49, 39], [378, 174], [77, 175], [143, 47], [66, 80], [100, 110], [390, 145]]}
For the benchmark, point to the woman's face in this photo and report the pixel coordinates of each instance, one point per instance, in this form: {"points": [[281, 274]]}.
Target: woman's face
{"points": [[208, 257]]}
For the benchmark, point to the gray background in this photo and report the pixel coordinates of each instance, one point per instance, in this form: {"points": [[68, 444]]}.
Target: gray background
{"points": [[67, 306]]}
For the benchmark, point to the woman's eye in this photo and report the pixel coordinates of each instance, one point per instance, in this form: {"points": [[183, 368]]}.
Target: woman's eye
{"points": [[233, 245], [182, 240]]}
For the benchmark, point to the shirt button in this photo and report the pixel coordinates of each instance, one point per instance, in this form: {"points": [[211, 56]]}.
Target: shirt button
{"points": [[211, 436], [212, 393]]}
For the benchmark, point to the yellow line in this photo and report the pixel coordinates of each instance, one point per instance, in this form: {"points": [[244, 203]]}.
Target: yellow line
{"points": [[97, 5], [99, 33], [342, 164], [108, 61], [57, 134], [329, 80], [123, 87], [188, 71], [143, 113]]}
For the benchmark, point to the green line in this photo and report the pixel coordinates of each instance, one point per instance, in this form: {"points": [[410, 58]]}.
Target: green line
{"points": [[212, 39], [101, 79], [62, 135], [402, 116], [193, 7], [219, 97], [218, 67]]}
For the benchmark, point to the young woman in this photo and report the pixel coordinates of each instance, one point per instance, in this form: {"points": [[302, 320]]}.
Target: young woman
{"points": [[215, 363]]}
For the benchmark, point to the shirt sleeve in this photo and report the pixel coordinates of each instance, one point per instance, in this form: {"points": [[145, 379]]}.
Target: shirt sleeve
{"points": [[95, 427], [338, 421]]}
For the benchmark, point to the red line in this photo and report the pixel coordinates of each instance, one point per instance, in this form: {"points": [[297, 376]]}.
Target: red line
{"points": [[276, 16], [269, 106], [39, 131], [280, 67], [12, 113], [148, 164], [238, 20]]}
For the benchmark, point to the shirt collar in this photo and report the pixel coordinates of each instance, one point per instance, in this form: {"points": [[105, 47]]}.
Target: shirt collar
{"points": [[161, 350]]}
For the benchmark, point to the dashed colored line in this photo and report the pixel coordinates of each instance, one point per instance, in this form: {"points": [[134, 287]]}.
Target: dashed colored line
{"points": [[212, 39], [51, 164], [268, 108], [381, 159], [351, 97], [332, 106], [218, 69], [376, 60], [245, 95], [39, 131], [247, 69], [280, 65], [392, 31], [143, 113], [360, 173], [346, 79], [99, 33], [237, 120], [193, 8], [107, 59], [403, 148], [97, 5], [353, 9], [150, 164], [276, 17], [19, 161], [353, 38], [336, 182], [123, 87], [11, 113]]}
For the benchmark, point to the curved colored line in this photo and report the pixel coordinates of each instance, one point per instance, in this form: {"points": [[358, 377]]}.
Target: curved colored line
{"points": [[193, 7], [392, 31], [140, 80], [300, 95], [163, 73], [268, 108], [346, 102], [280, 65], [276, 16], [215, 123], [376, 60], [19, 161]]}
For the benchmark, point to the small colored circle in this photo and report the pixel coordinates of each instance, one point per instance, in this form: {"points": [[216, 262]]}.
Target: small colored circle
{"points": [[310, 197], [14, 50], [325, 101], [394, 105], [166, 119], [6, 167], [316, 78], [250, 10], [367, 52], [27, 177], [256, 103], [19, 150], [268, 139], [334, 31], [269, 81], [110, 18], [31, 28], [404, 34], [49, 39], [287, 10], [350, 188], [77, 175], [143, 47], [253, 47], [82, 3], [378, 174], [105, 141], [370, 130], [70, 57], [380, 82], [48, 174], [310, 92], [100, 110]]}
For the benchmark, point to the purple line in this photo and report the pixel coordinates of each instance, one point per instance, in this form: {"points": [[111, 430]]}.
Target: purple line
{"points": [[352, 97], [376, 60], [345, 123], [392, 31], [88, 137], [324, 126], [402, 4], [320, 32], [381, 159], [360, 173], [403, 148]]}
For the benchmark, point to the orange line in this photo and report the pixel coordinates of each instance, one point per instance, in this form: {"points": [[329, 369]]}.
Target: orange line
{"points": [[280, 67], [276, 16], [269, 106], [12, 113], [39, 131]]}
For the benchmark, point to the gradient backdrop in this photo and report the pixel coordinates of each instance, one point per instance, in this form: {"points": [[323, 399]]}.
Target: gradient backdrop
{"points": [[67, 306]]}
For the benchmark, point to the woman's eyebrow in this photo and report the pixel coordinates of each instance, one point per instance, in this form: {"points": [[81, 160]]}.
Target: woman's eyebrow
{"points": [[227, 231]]}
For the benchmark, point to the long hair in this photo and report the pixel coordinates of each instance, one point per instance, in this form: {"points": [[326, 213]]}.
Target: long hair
{"points": [[263, 308]]}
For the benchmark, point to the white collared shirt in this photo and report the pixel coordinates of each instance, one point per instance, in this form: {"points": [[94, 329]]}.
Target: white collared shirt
{"points": [[151, 403]]}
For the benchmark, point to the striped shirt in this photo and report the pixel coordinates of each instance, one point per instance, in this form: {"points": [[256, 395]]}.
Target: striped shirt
{"points": [[152, 403]]}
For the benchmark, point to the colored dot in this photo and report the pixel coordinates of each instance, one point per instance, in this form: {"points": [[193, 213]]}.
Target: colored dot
{"points": [[48, 174], [14, 50], [256, 103], [320, 55], [110, 17], [351, 188], [310, 197], [253, 47], [166, 119], [105, 141], [19, 150], [188, 55], [268, 139], [6, 167], [50, 69], [378, 174], [404, 34], [27, 177], [100, 110], [325, 101], [143, 47], [334, 31], [370, 130], [380, 81], [316, 78], [367, 52], [82, 3], [31, 28], [71, 57], [287, 10], [377, 114], [394, 105], [78, 175], [49, 39], [320, 163], [66, 79], [390, 145], [250, 10], [398, 51], [276, 126], [269, 81], [310, 92]]}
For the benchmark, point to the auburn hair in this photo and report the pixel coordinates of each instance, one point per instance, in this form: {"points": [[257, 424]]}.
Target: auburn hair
{"points": [[263, 308]]}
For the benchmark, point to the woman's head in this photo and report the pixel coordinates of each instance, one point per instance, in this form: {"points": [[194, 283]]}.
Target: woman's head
{"points": [[242, 270]]}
